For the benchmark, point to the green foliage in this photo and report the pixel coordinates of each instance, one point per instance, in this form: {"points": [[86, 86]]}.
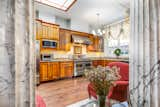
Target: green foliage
{"points": [[117, 52]]}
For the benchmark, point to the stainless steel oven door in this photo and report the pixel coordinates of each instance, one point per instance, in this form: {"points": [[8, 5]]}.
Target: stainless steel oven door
{"points": [[78, 69], [87, 65]]}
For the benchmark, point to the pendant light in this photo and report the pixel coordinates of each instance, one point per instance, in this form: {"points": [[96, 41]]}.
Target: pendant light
{"points": [[99, 31]]}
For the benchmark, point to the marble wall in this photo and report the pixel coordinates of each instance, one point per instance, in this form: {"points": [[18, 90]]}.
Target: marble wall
{"points": [[16, 53], [145, 53], [7, 50]]}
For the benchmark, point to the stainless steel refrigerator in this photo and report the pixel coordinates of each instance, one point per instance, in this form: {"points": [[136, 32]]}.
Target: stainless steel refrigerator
{"points": [[38, 58]]}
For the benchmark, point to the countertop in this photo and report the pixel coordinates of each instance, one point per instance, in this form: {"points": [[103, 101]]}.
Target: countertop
{"points": [[90, 59], [111, 58]]}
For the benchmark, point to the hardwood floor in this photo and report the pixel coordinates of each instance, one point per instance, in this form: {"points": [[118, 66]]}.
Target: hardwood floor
{"points": [[63, 92]]}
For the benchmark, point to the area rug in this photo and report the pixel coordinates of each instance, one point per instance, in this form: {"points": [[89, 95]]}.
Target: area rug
{"points": [[83, 102]]}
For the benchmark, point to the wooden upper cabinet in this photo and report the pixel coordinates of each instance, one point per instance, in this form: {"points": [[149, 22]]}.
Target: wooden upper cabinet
{"points": [[97, 45], [46, 30], [50, 31], [93, 46], [66, 69], [64, 40], [54, 32], [38, 29]]}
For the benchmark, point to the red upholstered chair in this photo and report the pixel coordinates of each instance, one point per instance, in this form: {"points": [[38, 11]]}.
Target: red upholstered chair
{"points": [[118, 92]]}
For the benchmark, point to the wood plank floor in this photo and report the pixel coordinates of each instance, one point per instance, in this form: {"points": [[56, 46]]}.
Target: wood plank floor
{"points": [[63, 92]]}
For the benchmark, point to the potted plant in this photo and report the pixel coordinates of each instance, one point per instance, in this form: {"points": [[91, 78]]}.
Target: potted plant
{"points": [[102, 78], [117, 52]]}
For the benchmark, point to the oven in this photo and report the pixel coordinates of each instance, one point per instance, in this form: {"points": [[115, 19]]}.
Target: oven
{"points": [[80, 66]]}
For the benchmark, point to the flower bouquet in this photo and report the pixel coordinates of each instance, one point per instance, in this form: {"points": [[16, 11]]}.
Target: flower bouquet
{"points": [[102, 78]]}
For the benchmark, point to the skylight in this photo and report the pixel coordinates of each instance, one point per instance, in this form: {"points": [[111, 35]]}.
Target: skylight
{"points": [[60, 4]]}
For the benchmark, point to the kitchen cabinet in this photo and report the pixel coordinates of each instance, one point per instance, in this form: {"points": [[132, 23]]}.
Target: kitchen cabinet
{"points": [[38, 29], [43, 71], [101, 62], [106, 62], [54, 70], [49, 71], [97, 44], [98, 63], [64, 40], [54, 32], [45, 30], [50, 31], [66, 69]]}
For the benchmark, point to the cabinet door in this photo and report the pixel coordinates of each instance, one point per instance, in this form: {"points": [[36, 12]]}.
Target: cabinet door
{"points": [[55, 32], [45, 31], [55, 70], [66, 69], [65, 40], [38, 29], [50, 71], [43, 71], [62, 72], [95, 63], [62, 39], [68, 40], [69, 72], [107, 62]]}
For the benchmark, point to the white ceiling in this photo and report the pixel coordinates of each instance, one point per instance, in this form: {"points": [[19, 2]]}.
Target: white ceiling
{"points": [[86, 10]]}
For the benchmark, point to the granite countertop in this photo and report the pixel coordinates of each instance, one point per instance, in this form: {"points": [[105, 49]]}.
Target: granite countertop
{"points": [[92, 58], [58, 60], [111, 58]]}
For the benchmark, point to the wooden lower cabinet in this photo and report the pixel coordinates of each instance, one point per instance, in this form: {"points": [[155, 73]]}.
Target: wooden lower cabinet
{"points": [[66, 69], [101, 62], [49, 71], [55, 70], [107, 62], [98, 63], [43, 71]]}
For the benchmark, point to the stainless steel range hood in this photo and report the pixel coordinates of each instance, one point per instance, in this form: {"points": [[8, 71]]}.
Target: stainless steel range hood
{"points": [[81, 40]]}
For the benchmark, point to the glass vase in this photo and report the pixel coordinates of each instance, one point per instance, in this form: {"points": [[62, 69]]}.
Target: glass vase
{"points": [[102, 101]]}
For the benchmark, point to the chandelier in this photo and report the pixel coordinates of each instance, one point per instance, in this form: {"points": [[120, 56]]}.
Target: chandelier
{"points": [[99, 30]]}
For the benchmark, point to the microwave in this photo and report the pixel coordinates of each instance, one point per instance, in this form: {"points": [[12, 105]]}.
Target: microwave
{"points": [[49, 44], [46, 57]]}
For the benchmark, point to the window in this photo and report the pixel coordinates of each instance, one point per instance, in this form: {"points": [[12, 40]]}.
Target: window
{"points": [[59, 4], [115, 40]]}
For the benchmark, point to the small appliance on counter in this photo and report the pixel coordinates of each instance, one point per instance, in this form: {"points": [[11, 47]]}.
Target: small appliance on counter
{"points": [[47, 57]]}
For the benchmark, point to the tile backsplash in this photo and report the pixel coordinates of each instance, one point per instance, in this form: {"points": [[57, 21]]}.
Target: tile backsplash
{"points": [[69, 54]]}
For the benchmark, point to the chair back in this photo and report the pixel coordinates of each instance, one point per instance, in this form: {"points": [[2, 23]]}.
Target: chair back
{"points": [[124, 69]]}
